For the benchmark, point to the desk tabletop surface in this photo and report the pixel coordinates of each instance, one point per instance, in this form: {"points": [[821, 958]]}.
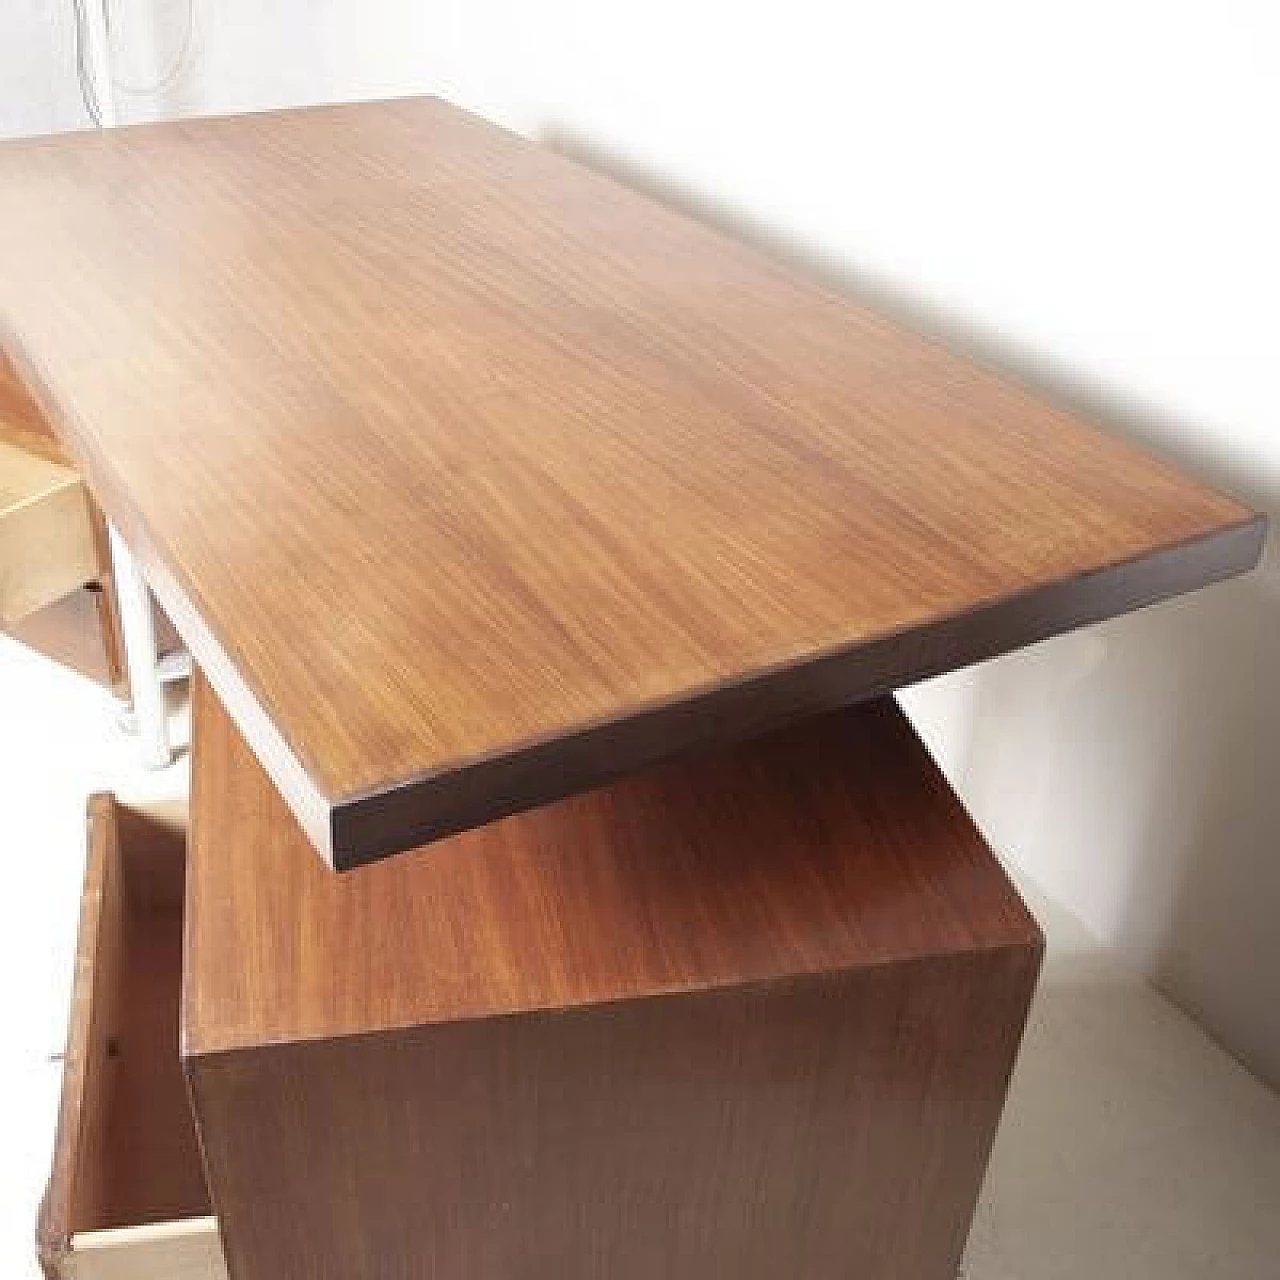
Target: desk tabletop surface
{"points": [[472, 478]]}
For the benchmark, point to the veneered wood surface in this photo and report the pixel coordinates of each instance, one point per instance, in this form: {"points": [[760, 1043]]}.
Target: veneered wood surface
{"points": [[832, 845], [473, 478], [126, 1151], [751, 1015], [826, 1126]]}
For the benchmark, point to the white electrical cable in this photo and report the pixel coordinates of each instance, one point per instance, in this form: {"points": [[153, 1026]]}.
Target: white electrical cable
{"points": [[83, 76], [93, 61], [176, 69]]}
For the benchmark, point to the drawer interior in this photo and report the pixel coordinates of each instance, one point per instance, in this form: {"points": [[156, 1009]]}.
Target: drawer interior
{"points": [[47, 547], [126, 1156]]}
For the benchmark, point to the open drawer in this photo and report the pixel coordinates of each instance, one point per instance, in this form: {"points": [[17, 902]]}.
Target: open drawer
{"points": [[57, 591], [127, 1196], [47, 547]]}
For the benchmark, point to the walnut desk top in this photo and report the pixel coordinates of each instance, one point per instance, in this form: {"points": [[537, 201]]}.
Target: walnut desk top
{"points": [[472, 478]]}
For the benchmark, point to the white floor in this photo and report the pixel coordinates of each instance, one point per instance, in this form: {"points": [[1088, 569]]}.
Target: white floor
{"points": [[1132, 1148]]}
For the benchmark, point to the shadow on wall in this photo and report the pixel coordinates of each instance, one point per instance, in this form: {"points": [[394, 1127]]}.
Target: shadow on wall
{"points": [[1130, 769]]}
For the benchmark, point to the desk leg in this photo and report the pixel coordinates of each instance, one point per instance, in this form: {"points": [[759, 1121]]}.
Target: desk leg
{"points": [[140, 656]]}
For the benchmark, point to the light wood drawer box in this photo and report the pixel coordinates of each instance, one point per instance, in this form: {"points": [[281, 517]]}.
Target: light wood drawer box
{"points": [[127, 1196], [47, 547], [57, 591]]}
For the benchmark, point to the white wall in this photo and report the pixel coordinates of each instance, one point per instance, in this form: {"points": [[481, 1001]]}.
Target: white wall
{"points": [[38, 92], [1084, 193]]}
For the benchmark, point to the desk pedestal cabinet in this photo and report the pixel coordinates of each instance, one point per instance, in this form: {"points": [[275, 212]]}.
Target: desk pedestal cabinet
{"points": [[748, 1015]]}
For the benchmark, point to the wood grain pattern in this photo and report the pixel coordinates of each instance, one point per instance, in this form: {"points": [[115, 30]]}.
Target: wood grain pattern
{"points": [[749, 1016], [473, 478], [832, 845], [126, 1152]]}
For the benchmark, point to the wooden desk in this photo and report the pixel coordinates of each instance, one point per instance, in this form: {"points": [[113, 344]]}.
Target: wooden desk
{"points": [[472, 479], [749, 1014]]}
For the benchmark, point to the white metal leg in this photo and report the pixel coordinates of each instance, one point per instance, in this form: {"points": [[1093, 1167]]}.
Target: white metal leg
{"points": [[138, 629]]}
